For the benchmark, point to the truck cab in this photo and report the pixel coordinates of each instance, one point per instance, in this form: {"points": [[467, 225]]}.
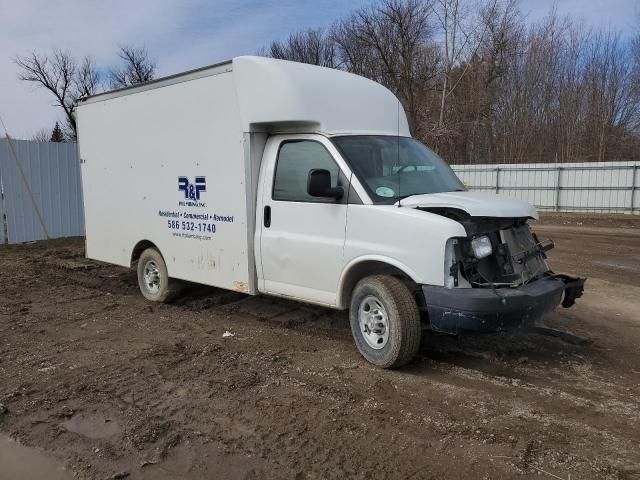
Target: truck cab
{"points": [[276, 178], [352, 221]]}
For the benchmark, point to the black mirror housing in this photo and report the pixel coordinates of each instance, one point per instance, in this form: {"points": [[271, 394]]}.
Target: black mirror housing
{"points": [[319, 184]]}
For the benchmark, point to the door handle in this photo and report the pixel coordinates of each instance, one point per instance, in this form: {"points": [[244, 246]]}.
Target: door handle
{"points": [[267, 216]]}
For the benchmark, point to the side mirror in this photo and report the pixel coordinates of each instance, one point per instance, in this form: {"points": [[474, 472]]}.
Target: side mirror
{"points": [[319, 185]]}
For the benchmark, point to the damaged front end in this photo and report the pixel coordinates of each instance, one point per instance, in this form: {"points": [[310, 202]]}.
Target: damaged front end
{"points": [[496, 278]]}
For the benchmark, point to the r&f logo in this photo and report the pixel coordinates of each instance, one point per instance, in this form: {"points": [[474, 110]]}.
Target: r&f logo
{"points": [[192, 190]]}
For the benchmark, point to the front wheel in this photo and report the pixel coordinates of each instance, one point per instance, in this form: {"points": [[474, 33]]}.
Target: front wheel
{"points": [[385, 321], [153, 277]]}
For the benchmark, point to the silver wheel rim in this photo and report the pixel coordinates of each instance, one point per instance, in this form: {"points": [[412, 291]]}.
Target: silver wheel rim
{"points": [[151, 275], [374, 322]]}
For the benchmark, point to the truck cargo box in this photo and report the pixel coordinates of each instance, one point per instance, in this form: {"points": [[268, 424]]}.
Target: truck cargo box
{"points": [[175, 162]]}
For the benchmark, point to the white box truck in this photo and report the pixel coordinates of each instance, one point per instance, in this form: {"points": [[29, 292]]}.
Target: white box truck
{"points": [[272, 177]]}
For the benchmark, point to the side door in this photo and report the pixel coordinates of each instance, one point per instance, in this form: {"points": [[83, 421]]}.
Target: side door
{"points": [[302, 236]]}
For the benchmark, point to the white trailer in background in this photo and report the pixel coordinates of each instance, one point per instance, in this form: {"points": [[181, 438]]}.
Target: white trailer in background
{"points": [[267, 176]]}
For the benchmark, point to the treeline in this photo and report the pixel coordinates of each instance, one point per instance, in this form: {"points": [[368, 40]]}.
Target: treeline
{"points": [[481, 84]]}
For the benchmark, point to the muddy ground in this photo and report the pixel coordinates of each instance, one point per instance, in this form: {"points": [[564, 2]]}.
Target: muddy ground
{"points": [[107, 385]]}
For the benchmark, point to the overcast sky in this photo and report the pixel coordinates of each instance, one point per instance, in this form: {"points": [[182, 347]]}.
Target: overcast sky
{"points": [[184, 34]]}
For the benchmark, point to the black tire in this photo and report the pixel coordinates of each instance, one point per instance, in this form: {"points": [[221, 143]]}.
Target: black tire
{"points": [[403, 320], [167, 288]]}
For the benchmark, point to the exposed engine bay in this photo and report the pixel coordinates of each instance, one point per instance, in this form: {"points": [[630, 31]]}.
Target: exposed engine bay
{"points": [[517, 257], [496, 277], [498, 252]]}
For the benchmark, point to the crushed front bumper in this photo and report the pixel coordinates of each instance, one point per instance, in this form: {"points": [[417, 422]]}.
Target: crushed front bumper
{"points": [[458, 310]]}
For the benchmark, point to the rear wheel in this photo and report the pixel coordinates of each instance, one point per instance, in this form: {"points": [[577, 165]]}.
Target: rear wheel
{"points": [[385, 321], [153, 277]]}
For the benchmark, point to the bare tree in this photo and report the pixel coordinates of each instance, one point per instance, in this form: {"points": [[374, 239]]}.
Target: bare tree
{"points": [[463, 33], [477, 90], [41, 135], [68, 79], [635, 54], [389, 43], [136, 67], [87, 81], [392, 43], [61, 75], [612, 102], [311, 46]]}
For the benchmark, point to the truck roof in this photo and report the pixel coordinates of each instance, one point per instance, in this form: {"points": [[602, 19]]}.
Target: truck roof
{"points": [[273, 92]]}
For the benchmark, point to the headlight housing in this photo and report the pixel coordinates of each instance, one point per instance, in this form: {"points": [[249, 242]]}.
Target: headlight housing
{"points": [[481, 247]]}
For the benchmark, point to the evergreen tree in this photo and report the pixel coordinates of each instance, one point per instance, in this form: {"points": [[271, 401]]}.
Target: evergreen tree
{"points": [[56, 134]]}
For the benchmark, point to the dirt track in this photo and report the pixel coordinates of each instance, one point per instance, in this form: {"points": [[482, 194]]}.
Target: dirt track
{"points": [[110, 385]]}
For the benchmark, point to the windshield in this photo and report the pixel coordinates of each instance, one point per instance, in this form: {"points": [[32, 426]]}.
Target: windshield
{"points": [[391, 168]]}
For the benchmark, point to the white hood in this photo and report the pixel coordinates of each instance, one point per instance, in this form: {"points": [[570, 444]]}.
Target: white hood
{"points": [[475, 204]]}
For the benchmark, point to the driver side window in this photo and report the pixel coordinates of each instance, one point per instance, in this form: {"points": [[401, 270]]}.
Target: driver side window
{"points": [[295, 160]]}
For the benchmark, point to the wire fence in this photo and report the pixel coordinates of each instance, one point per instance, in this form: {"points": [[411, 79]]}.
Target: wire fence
{"points": [[587, 187]]}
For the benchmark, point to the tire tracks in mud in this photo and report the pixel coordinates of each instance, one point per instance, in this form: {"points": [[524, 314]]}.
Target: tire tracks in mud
{"points": [[288, 395]]}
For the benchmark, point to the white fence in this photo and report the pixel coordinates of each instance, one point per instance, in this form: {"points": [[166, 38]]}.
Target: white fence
{"points": [[51, 181], [597, 187]]}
